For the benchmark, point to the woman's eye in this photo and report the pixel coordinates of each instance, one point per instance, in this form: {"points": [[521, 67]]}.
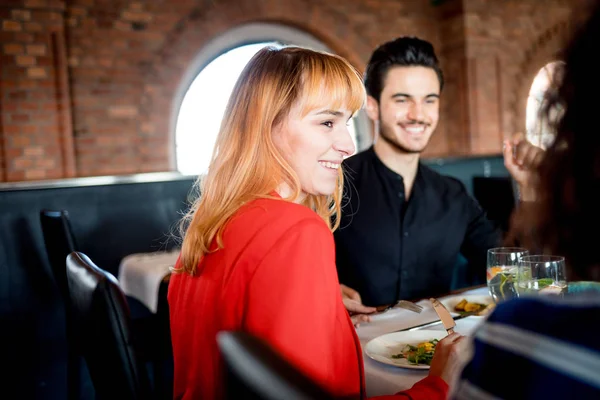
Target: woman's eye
{"points": [[328, 124]]}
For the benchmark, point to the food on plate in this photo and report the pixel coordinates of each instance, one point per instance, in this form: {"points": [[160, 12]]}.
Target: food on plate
{"points": [[419, 354], [464, 306]]}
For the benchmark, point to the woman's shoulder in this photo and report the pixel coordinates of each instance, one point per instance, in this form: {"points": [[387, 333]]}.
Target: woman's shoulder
{"points": [[269, 211], [269, 219]]}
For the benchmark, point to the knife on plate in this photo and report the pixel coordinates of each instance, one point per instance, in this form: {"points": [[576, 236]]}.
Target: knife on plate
{"points": [[444, 315]]}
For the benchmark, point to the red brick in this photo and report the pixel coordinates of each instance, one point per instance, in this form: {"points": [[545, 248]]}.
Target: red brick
{"points": [[27, 84], [24, 37], [19, 118], [7, 37], [44, 62], [73, 22], [25, 61], [36, 3], [35, 174], [22, 163], [13, 48], [37, 73], [46, 163], [49, 107], [11, 130], [34, 151], [9, 107], [11, 26], [29, 129], [12, 153], [122, 111], [36, 49], [46, 84], [21, 15], [78, 11], [136, 16], [17, 95], [33, 27], [20, 141]]}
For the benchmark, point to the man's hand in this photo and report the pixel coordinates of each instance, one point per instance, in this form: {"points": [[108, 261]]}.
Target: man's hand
{"points": [[353, 303], [521, 159]]}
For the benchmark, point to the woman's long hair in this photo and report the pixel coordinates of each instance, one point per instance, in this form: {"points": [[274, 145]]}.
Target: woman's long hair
{"points": [[567, 217], [245, 164]]}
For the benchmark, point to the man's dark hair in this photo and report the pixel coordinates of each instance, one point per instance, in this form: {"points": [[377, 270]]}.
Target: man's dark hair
{"points": [[403, 52]]}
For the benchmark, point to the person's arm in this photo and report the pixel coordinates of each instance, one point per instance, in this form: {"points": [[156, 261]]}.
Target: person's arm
{"points": [[428, 388]]}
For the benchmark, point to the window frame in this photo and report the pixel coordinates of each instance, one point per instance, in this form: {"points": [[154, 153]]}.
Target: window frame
{"points": [[247, 34]]}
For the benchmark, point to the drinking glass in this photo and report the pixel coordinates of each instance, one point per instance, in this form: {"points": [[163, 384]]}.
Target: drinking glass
{"points": [[542, 274], [502, 267]]}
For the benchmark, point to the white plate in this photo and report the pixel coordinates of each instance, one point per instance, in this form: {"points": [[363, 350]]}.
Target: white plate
{"points": [[382, 347], [451, 302]]}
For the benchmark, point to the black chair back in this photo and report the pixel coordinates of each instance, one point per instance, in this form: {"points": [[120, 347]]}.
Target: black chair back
{"points": [[60, 242], [103, 323], [255, 371], [496, 197]]}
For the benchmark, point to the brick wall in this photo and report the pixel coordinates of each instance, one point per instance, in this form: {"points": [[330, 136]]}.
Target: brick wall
{"points": [[87, 86]]}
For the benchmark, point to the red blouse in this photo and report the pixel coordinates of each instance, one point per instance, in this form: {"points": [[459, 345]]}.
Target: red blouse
{"points": [[275, 278]]}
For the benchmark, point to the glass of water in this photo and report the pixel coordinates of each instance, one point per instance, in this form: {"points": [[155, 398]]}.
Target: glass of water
{"points": [[541, 274], [502, 267]]}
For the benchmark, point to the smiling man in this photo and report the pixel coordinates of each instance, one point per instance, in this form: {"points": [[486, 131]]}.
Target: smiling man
{"points": [[404, 225]]}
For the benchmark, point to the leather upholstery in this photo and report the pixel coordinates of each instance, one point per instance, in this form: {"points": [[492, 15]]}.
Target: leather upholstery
{"points": [[255, 371], [103, 324], [59, 241]]}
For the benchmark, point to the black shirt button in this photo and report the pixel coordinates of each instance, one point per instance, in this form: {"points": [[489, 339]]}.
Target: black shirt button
{"points": [[405, 234]]}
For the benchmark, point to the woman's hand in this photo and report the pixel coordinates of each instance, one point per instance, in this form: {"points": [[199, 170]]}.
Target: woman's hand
{"points": [[448, 358]]}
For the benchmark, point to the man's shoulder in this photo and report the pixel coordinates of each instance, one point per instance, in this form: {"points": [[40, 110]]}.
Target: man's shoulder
{"points": [[446, 183], [355, 162]]}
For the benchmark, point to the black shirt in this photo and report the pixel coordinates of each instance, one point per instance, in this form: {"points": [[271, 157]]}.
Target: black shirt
{"points": [[389, 249]]}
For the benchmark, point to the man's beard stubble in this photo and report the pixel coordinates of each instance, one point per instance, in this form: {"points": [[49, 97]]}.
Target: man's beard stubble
{"points": [[389, 138]]}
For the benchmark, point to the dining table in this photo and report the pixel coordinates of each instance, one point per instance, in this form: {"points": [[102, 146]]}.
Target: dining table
{"points": [[384, 379]]}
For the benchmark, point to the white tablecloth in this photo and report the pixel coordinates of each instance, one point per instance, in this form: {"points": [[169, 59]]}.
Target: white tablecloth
{"points": [[382, 379], [140, 275]]}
